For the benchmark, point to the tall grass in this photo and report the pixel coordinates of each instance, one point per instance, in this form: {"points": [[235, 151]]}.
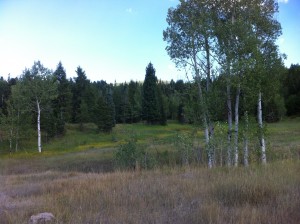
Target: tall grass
{"points": [[267, 194]]}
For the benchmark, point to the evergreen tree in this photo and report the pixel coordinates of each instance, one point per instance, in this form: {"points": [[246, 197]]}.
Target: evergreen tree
{"points": [[162, 105], [134, 97], [111, 106], [4, 94], [104, 119], [62, 104], [79, 89], [292, 90], [118, 98], [150, 106]]}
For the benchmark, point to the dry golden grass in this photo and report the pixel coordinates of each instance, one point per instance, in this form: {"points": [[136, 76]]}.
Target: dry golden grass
{"points": [[258, 194]]}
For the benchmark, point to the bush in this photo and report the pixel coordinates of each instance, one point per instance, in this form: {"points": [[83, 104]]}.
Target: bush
{"points": [[126, 155], [130, 156], [184, 145]]}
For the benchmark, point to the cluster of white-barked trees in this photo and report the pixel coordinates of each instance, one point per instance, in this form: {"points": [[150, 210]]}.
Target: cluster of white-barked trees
{"points": [[235, 38]]}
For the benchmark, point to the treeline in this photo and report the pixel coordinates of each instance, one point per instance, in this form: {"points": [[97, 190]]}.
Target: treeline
{"points": [[43, 100]]}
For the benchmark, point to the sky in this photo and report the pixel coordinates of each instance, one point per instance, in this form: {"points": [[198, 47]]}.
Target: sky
{"points": [[112, 40]]}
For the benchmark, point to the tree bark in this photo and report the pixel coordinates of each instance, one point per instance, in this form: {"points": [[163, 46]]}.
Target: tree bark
{"points": [[236, 130], [39, 126], [261, 134]]}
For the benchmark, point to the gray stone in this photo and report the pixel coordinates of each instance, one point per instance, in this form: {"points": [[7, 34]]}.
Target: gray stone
{"points": [[41, 218]]}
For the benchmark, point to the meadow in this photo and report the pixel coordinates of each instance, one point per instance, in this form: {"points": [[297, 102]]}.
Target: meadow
{"points": [[76, 180]]}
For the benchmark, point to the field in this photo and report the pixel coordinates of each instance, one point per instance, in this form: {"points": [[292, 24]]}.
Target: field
{"points": [[75, 179]]}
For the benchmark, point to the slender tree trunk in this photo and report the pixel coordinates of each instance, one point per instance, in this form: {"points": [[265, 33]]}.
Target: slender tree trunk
{"points": [[210, 128], [229, 120], [39, 126], [261, 134], [204, 110], [236, 129], [205, 124], [208, 147], [245, 137]]}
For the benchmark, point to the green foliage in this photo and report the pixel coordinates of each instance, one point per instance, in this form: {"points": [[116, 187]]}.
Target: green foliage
{"points": [[127, 155], [132, 156], [135, 99], [103, 113], [184, 144], [150, 105], [34, 93], [79, 89], [219, 143], [83, 116], [162, 103], [292, 90], [104, 109], [5, 91], [62, 104], [275, 109]]}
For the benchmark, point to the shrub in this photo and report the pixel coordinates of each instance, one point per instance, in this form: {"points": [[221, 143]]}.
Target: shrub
{"points": [[130, 156]]}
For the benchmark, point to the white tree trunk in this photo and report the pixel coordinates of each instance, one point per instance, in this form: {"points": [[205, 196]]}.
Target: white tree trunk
{"points": [[236, 129], [208, 148], [205, 123], [206, 127], [229, 120], [261, 134], [39, 125], [205, 118], [245, 137]]}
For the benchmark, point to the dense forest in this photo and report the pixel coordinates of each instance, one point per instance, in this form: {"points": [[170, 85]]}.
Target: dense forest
{"points": [[40, 93], [234, 72]]}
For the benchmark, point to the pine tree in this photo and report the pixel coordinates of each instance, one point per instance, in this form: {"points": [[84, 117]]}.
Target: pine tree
{"points": [[162, 105], [105, 112], [78, 90], [134, 97], [62, 104], [150, 106], [104, 119]]}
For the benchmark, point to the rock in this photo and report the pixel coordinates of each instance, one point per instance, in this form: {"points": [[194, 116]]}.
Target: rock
{"points": [[41, 218]]}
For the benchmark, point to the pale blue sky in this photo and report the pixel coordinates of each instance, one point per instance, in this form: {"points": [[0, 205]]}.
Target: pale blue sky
{"points": [[110, 39]]}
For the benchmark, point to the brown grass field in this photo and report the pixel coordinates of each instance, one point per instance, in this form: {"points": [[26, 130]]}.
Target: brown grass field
{"points": [[193, 194]]}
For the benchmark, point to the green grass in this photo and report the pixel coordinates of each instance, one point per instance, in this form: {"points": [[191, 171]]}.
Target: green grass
{"points": [[75, 140], [283, 139], [88, 150], [77, 148]]}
